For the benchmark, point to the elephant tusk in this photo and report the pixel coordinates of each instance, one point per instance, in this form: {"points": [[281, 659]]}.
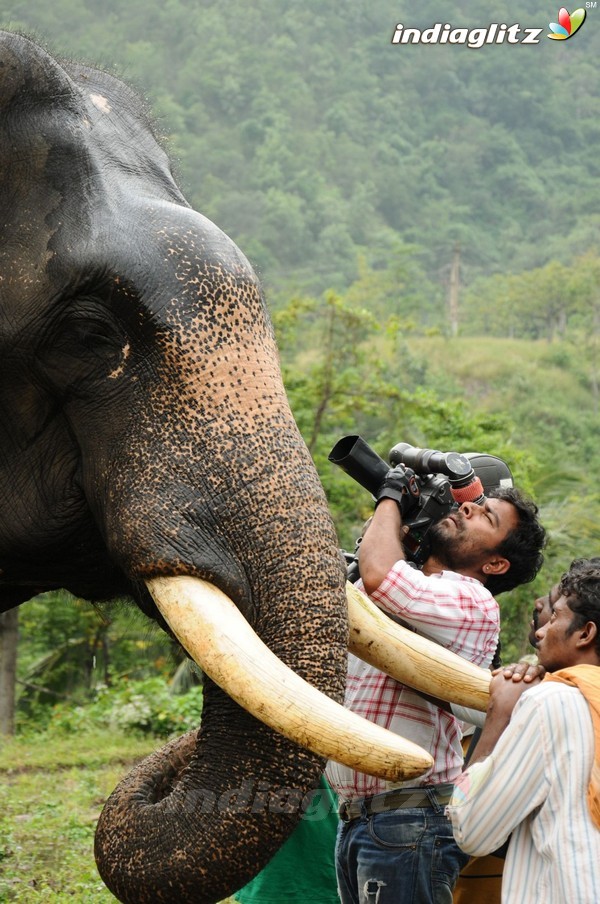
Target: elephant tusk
{"points": [[214, 632], [411, 659]]}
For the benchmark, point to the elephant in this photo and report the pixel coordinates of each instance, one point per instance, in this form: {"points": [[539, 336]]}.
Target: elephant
{"points": [[149, 452]]}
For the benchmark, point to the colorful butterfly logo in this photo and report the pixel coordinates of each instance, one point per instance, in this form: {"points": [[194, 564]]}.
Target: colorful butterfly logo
{"points": [[567, 25]]}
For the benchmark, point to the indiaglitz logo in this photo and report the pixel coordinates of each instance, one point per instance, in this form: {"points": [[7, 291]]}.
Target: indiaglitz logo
{"points": [[467, 785], [496, 33], [567, 25], [473, 37]]}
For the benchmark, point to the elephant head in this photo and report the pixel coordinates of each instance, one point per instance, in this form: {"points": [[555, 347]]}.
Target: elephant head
{"points": [[148, 451]]}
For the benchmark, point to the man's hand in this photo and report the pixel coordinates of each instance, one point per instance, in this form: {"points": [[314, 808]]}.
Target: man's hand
{"points": [[400, 484], [522, 671], [504, 694]]}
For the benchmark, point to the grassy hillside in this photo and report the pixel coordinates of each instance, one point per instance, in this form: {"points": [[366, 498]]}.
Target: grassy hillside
{"points": [[308, 136], [543, 387], [544, 391], [53, 789]]}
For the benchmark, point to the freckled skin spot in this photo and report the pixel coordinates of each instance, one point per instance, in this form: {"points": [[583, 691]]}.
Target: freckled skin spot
{"points": [[146, 431]]}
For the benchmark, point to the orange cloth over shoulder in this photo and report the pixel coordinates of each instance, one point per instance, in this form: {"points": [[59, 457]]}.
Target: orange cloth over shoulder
{"points": [[586, 678]]}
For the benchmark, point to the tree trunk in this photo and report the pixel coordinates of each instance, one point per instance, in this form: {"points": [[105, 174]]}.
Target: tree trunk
{"points": [[9, 630], [454, 290]]}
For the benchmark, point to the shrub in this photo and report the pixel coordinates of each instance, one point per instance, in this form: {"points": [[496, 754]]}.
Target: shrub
{"points": [[146, 707]]}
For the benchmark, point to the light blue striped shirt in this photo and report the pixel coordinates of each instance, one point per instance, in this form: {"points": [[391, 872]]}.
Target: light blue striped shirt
{"points": [[534, 785]]}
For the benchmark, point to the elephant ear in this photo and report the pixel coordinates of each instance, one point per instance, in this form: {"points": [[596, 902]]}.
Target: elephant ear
{"points": [[40, 111], [30, 78]]}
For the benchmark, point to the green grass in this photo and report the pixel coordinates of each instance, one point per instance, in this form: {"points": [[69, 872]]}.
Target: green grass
{"points": [[51, 793]]}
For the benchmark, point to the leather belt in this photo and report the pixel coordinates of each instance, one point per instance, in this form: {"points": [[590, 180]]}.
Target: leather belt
{"points": [[401, 798]]}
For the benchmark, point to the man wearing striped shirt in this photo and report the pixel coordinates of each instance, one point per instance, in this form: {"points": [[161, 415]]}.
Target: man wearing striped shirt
{"points": [[394, 841], [536, 769]]}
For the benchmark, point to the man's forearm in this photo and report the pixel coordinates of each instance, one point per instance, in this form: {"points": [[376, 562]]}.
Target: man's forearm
{"points": [[380, 547], [490, 734], [504, 695]]}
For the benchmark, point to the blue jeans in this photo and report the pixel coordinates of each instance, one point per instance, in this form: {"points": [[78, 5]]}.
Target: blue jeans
{"points": [[405, 856]]}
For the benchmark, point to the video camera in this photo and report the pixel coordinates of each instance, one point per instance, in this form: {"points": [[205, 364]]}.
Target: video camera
{"points": [[444, 480]]}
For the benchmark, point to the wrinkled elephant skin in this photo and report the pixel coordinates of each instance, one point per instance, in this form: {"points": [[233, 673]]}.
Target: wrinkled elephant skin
{"points": [[146, 433]]}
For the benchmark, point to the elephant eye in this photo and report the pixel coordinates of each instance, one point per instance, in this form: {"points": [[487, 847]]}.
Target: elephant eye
{"points": [[95, 336], [84, 344]]}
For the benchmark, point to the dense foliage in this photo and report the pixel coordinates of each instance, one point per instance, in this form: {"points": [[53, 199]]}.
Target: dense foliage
{"points": [[425, 221], [528, 401], [304, 133], [145, 707]]}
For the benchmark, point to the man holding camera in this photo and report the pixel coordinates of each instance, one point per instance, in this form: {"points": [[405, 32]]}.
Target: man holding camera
{"points": [[394, 841]]}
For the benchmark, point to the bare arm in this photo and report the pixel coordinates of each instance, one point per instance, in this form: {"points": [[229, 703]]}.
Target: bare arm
{"points": [[381, 546]]}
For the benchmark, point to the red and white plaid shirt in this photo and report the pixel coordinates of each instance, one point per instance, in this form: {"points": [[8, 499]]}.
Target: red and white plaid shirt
{"points": [[458, 613]]}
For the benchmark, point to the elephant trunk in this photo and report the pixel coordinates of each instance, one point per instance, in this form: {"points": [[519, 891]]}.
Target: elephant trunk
{"points": [[168, 831], [171, 801], [204, 474]]}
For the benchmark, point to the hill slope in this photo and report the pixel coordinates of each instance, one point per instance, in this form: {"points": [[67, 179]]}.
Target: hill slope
{"points": [[307, 135]]}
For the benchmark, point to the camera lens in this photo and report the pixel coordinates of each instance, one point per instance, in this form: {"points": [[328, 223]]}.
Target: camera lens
{"points": [[458, 464]]}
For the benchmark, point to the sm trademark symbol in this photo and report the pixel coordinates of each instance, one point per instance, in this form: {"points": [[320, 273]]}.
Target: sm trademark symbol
{"points": [[592, 5]]}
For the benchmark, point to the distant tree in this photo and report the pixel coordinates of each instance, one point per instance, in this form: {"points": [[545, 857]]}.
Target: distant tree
{"points": [[345, 373], [585, 334], [538, 303], [9, 632]]}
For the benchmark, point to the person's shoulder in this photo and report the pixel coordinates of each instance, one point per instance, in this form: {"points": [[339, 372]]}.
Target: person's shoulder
{"points": [[544, 704], [551, 693], [554, 710], [551, 687], [469, 586]]}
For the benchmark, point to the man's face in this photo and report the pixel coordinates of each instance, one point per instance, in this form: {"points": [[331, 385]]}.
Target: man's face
{"points": [[542, 610], [556, 643], [469, 537]]}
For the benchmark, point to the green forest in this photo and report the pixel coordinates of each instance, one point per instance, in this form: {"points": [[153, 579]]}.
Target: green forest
{"points": [[425, 222]]}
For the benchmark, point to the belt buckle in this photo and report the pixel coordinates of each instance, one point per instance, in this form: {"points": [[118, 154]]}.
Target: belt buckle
{"points": [[343, 811]]}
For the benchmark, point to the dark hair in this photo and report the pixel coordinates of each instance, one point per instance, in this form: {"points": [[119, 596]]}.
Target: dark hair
{"points": [[583, 564], [522, 546], [581, 587]]}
